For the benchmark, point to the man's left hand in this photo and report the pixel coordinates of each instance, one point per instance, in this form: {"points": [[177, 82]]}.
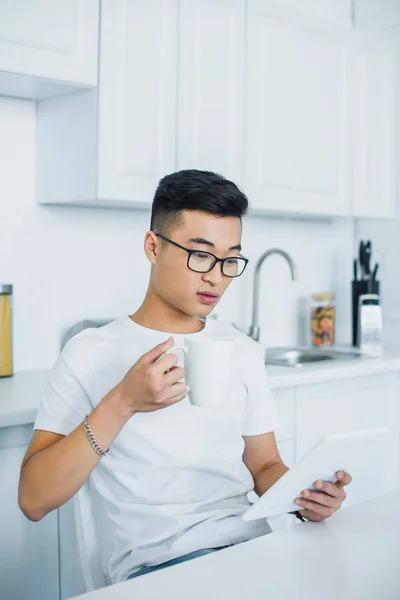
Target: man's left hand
{"points": [[317, 506]]}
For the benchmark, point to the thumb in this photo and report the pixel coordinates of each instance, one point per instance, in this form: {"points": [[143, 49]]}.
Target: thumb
{"points": [[155, 353]]}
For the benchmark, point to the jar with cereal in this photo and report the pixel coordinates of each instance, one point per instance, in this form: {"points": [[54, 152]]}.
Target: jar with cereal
{"points": [[323, 319]]}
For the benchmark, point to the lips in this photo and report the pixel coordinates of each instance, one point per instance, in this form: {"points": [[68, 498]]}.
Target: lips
{"points": [[208, 297]]}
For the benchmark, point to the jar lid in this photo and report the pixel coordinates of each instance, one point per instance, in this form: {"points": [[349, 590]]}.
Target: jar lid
{"points": [[6, 288], [324, 296]]}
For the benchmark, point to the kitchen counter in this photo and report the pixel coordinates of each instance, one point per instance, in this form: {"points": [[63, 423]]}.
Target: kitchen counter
{"points": [[352, 556], [281, 377], [20, 395]]}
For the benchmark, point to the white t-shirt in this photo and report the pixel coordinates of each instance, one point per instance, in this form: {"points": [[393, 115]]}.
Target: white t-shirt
{"points": [[174, 480]]}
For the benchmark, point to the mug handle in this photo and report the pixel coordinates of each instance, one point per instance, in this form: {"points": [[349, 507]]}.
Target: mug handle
{"points": [[184, 350]]}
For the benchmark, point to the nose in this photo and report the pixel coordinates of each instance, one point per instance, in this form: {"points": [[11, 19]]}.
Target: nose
{"points": [[215, 276]]}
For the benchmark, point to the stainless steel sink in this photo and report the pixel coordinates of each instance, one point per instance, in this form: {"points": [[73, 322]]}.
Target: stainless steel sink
{"points": [[297, 357]]}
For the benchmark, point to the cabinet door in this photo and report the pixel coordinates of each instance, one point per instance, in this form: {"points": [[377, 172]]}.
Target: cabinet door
{"points": [[50, 40], [71, 576], [285, 402], [297, 112], [350, 405], [374, 132], [137, 98], [338, 12], [28, 551], [211, 85]]}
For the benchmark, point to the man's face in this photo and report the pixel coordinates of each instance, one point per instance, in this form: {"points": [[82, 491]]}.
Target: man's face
{"points": [[195, 294]]}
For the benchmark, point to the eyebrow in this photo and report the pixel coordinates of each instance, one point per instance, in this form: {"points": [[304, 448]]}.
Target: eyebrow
{"points": [[208, 243]]}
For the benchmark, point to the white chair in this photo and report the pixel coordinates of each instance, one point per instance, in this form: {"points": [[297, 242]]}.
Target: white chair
{"points": [[94, 540]]}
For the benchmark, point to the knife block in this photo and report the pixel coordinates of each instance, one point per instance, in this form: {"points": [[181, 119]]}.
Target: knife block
{"points": [[359, 288]]}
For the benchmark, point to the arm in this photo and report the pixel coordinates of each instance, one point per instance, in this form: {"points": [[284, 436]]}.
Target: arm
{"points": [[261, 456], [55, 466]]}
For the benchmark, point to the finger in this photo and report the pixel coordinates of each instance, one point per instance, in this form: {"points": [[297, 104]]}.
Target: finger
{"points": [[165, 363], [311, 516], [155, 353], [323, 512], [322, 498], [331, 489], [174, 394], [343, 478], [173, 376]]}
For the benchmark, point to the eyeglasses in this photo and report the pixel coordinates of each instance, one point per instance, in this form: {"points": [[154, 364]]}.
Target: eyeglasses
{"points": [[204, 262]]}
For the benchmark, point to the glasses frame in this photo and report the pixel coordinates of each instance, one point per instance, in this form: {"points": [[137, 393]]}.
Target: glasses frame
{"points": [[216, 259]]}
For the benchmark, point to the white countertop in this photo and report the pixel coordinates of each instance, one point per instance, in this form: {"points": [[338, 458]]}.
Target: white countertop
{"points": [[281, 377], [20, 395], [351, 556]]}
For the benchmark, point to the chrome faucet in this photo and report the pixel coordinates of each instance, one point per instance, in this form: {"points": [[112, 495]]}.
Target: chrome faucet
{"points": [[255, 328]]}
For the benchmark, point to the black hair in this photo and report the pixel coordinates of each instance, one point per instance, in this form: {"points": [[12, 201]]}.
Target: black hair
{"points": [[192, 189]]}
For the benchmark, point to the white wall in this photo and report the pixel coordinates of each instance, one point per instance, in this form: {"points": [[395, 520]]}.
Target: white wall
{"points": [[71, 263]]}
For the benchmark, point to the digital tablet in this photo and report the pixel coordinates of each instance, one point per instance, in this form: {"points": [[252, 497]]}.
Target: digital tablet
{"points": [[361, 453]]}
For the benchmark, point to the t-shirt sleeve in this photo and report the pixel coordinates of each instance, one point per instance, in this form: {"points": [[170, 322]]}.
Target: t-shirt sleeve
{"points": [[261, 415], [65, 402]]}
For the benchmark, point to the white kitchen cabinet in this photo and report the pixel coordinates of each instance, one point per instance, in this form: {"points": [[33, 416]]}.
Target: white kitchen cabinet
{"points": [[369, 402], [111, 146], [335, 11], [287, 452], [211, 86], [137, 98], [294, 107], [71, 576], [374, 132], [44, 43], [297, 112], [285, 403], [28, 551]]}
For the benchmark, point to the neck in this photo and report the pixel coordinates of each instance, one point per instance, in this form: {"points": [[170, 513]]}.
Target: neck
{"points": [[157, 314]]}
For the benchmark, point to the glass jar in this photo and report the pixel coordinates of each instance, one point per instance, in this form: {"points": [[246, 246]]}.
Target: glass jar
{"points": [[6, 362], [323, 319]]}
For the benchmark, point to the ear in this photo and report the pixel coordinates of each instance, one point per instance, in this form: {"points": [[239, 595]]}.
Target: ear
{"points": [[151, 246]]}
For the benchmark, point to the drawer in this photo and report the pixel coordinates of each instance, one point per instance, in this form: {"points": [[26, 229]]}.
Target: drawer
{"points": [[285, 402]]}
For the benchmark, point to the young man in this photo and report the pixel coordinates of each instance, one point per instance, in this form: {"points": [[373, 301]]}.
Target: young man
{"points": [[176, 478]]}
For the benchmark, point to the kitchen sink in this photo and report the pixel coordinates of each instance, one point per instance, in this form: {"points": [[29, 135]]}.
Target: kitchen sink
{"points": [[297, 357]]}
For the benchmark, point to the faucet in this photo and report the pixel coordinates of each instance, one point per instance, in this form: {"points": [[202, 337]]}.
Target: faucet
{"points": [[254, 332]]}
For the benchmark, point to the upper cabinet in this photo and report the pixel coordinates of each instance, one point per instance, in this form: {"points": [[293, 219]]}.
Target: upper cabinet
{"points": [[111, 146], [297, 113], [44, 43], [211, 86], [295, 107], [137, 97], [373, 129], [335, 11]]}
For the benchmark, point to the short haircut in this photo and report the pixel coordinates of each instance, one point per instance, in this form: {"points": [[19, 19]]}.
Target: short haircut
{"points": [[192, 189]]}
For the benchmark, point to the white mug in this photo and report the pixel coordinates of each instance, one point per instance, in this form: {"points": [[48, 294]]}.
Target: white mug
{"points": [[208, 369]]}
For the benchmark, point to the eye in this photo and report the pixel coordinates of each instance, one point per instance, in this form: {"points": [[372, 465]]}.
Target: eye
{"points": [[232, 261], [201, 255]]}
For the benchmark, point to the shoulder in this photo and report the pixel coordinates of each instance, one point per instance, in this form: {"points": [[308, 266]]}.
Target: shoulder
{"points": [[92, 340]]}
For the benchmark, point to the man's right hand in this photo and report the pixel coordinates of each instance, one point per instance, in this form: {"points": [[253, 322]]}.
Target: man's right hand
{"points": [[154, 381]]}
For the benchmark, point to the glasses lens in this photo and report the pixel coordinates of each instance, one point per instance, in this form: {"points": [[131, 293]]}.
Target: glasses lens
{"points": [[233, 267], [201, 261]]}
